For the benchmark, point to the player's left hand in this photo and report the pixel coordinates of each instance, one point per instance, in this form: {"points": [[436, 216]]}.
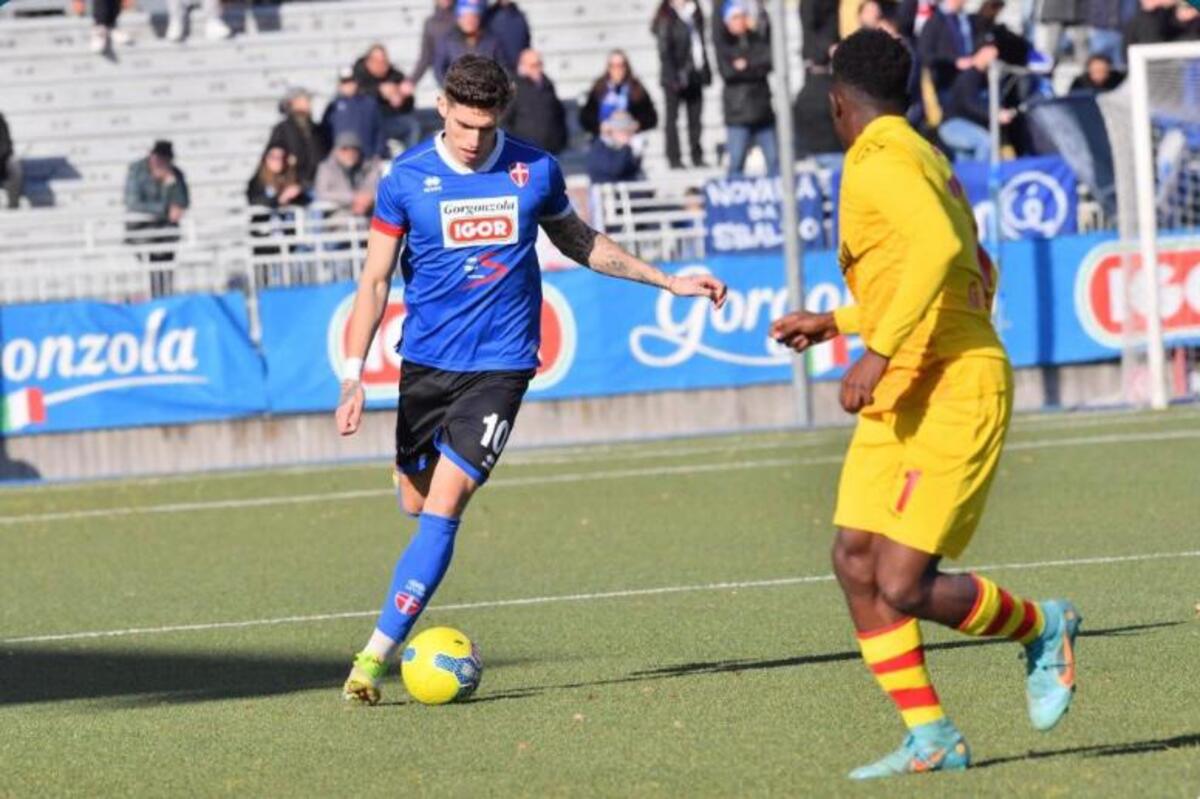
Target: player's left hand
{"points": [[699, 286], [858, 384]]}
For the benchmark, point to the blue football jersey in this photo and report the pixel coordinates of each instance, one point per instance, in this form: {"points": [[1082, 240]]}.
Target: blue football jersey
{"points": [[473, 286]]}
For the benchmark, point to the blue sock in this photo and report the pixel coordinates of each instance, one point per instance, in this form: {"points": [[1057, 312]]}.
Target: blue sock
{"points": [[418, 573]]}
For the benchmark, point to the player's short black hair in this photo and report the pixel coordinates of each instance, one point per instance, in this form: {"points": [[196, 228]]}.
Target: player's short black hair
{"points": [[479, 82], [876, 64]]}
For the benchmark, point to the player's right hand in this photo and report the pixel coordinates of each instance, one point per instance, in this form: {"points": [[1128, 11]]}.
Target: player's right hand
{"points": [[801, 329], [350, 407]]}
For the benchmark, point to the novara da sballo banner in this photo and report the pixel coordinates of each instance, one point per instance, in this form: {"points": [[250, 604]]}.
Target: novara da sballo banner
{"points": [[89, 365]]}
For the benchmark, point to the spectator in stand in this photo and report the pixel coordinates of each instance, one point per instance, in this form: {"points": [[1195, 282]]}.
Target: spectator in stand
{"points": [[348, 178], [618, 89], [965, 127], [377, 77], [352, 111], [679, 28], [277, 182], [154, 186], [214, 27], [467, 36], [743, 50], [819, 23], [10, 166], [437, 27], [1153, 23], [1104, 31], [297, 133], [1014, 49], [1098, 77], [1058, 17], [814, 132], [536, 114], [105, 33], [870, 15], [510, 28], [946, 44], [613, 156]]}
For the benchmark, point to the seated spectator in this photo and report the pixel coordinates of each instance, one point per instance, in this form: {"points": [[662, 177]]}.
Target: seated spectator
{"points": [[467, 36], [1098, 77], [1056, 18], [536, 114], [154, 186], [214, 27], [348, 178], [277, 182], [612, 157], [986, 27], [743, 49], [1152, 23], [508, 25], [354, 112], [10, 166], [618, 90], [437, 27], [965, 127], [303, 139], [378, 78]]}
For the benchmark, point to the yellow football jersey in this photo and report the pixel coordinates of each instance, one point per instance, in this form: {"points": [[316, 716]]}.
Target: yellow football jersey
{"points": [[910, 256]]}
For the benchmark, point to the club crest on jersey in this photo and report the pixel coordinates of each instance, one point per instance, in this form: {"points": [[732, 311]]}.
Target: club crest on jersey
{"points": [[519, 172], [484, 221]]}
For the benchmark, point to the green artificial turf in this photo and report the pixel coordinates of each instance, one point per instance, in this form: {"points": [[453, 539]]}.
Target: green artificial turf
{"points": [[740, 680]]}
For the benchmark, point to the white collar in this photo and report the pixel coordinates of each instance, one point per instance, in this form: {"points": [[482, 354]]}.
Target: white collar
{"points": [[460, 168]]}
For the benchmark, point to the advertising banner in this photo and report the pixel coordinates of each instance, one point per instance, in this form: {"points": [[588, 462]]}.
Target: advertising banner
{"points": [[87, 365], [743, 215]]}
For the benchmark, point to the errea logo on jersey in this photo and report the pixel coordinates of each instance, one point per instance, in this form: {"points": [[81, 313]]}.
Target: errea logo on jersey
{"points": [[479, 222]]}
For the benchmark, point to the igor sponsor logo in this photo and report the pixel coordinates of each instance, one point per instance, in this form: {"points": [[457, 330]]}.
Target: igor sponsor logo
{"points": [[1111, 290], [473, 223], [93, 363], [735, 333]]}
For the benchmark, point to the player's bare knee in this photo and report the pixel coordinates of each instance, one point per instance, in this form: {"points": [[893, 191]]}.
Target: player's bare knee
{"points": [[412, 503], [904, 593], [853, 562]]}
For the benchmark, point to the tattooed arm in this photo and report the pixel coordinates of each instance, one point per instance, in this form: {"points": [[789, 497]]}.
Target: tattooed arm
{"points": [[581, 243]]}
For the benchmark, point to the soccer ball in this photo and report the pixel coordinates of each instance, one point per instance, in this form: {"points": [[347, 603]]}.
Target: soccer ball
{"points": [[441, 665]]}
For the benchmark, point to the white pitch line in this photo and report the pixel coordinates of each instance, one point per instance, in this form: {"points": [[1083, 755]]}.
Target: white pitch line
{"points": [[588, 597], [569, 477]]}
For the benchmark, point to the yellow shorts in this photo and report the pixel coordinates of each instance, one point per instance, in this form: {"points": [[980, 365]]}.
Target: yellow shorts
{"points": [[920, 474]]}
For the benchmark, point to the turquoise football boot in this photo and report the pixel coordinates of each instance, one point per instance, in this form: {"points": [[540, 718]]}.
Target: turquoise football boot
{"points": [[937, 746], [1050, 665]]}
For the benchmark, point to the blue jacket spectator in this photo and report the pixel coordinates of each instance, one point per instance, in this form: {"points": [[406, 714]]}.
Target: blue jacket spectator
{"points": [[611, 157], [508, 25], [946, 43], [467, 36], [357, 113]]}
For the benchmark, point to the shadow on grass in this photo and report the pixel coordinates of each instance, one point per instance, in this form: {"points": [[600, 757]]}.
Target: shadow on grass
{"points": [[35, 675], [29, 675], [1099, 750]]}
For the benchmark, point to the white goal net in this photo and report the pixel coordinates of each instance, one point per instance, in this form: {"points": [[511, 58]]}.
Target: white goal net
{"points": [[1153, 124]]}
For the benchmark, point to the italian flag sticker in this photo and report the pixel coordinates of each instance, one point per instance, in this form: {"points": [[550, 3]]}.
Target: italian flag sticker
{"points": [[22, 408]]}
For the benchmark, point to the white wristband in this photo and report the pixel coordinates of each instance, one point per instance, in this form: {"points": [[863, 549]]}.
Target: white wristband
{"points": [[352, 369]]}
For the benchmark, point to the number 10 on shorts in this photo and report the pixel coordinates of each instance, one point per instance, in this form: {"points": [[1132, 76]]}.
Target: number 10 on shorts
{"points": [[495, 432]]}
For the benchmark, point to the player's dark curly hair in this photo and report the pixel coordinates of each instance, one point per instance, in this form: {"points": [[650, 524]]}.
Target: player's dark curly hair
{"points": [[479, 82], [875, 63]]}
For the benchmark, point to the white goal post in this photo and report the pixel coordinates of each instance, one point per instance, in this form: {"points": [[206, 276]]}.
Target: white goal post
{"points": [[1154, 127]]}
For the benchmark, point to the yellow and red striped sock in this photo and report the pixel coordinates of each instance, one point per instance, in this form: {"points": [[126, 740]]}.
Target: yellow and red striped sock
{"points": [[999, 613], [895, 656]]}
